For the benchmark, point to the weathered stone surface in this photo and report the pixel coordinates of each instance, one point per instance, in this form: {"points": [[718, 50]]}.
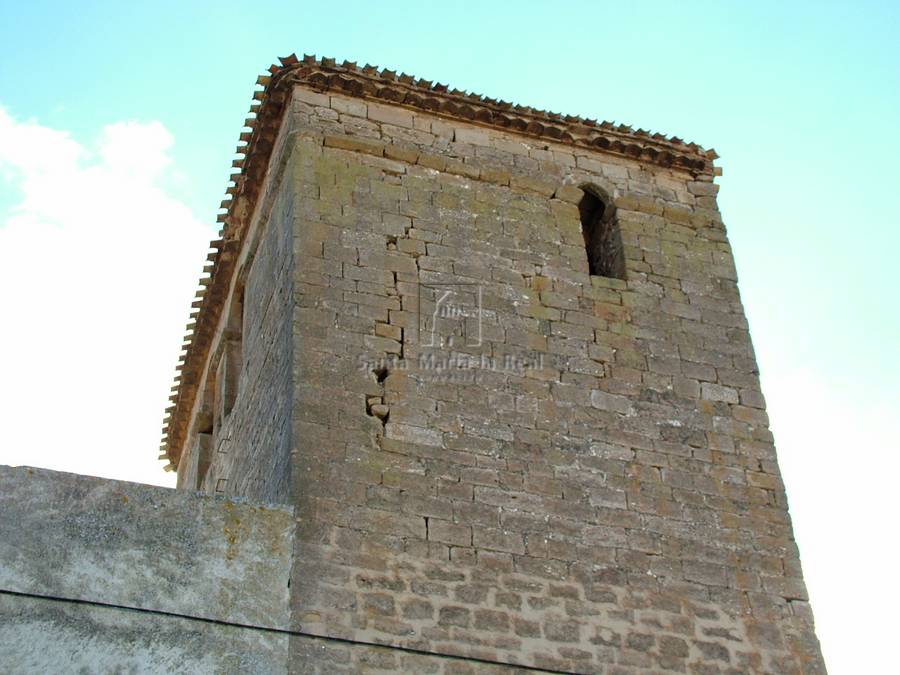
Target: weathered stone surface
{"points": [[137, 545], [42, 636], [121, 576]]}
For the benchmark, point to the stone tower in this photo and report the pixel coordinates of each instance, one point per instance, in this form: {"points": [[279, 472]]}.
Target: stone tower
{"points": [[497, 361]]}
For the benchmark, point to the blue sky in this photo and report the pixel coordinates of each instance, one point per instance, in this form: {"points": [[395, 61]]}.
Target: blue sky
{"points": [[800, 101]]}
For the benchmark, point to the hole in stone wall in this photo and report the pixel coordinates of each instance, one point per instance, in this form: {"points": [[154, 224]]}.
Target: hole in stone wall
{"points": [[375, 405], [602, 237]]}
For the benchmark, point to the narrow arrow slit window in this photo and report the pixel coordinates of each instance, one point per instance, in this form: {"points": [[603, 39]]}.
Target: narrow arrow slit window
{"points": [[602, 238]]}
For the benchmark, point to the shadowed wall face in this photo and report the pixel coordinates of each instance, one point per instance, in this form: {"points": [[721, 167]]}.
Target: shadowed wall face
{"points": [[497, 454], [241, 438]]}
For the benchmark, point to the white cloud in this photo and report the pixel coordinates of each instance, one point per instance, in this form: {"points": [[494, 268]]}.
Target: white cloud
{"points": [[839, 451], [97, 269]]}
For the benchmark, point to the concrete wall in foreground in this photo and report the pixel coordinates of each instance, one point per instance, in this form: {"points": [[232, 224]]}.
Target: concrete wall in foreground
{"points": [[101, 576]]}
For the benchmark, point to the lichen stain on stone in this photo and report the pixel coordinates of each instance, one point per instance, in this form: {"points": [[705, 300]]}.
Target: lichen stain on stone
{"points": [[231, 536], [232, 530]]}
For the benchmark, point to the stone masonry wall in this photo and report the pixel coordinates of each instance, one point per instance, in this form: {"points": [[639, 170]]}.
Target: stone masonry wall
{"points": [[584, 483], [251, 450]]}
